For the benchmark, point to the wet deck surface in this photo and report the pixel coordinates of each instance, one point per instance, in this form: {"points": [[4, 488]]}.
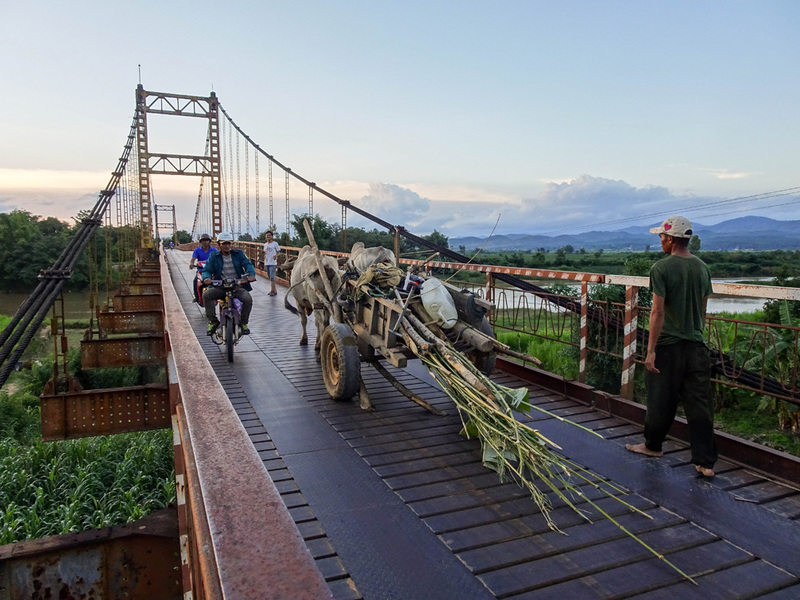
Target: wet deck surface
{"points": [[395, 504]]}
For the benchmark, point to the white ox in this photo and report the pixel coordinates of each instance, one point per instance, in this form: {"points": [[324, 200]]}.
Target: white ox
{"points": [[361, 258], [308, 290]]}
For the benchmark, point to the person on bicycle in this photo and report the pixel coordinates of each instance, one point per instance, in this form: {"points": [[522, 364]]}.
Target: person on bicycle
{"points": [[228, 264]]}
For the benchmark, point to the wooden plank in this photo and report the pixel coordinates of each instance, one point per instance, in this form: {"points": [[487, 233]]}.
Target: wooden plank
{"points": [[445, 488], [734, 479], [361, 439], [787, 593], [788, 507], [427, 464], [474, 498], [413, 455], [534, 523], [645, 576], [438, 475], [746, 580], [424, 442], [620, 431], [763, 491], [577, 563], [481, 515], [551, 543]]}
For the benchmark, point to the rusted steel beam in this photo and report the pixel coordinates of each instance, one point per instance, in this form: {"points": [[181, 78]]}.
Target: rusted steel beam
{"points": [[141, 302], [138, 560], [104, 412], [255, 550], [753, 456], [123, 352], [139, 288], [144, 321], [518, 271]]}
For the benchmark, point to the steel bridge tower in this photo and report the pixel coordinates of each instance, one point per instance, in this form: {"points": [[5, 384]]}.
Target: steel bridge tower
{"points": [[176, 164]]}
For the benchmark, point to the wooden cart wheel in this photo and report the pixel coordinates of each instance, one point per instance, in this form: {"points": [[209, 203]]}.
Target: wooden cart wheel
{"points": [[484, 361], [341, 365]]}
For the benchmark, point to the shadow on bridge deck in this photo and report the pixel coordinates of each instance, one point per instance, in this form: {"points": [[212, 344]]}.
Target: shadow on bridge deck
{"points": [[395, 504]]}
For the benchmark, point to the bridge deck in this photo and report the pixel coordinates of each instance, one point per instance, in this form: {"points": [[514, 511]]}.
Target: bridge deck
{"points": [[395, 504]]}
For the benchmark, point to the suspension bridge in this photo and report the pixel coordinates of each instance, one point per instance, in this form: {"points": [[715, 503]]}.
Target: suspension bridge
{"points": [[284, 493]]}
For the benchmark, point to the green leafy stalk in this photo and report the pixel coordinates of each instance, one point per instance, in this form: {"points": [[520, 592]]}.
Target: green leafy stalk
{"points": [[513, 448]]}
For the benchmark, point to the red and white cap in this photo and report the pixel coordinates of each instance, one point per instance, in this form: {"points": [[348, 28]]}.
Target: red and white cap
{"points": [[679, 227]]}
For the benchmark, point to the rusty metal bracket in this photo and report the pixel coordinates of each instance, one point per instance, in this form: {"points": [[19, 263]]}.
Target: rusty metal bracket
{"points": [[131, 321], [123, 352], [139, 560], [124, 303], [104, 412]]}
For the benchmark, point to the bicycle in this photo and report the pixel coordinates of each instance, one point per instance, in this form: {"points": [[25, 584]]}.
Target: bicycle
{"points": [[230, 310]]}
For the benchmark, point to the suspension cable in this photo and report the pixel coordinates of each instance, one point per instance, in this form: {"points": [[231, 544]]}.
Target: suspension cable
{"points": [[17, 335]]}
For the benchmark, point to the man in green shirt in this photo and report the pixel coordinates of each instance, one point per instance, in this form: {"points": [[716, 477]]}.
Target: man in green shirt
{"points": [[678, 363]]}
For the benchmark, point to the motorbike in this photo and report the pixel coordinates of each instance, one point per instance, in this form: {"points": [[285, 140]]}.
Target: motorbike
{"points": [[230, 314], [197, 284]]}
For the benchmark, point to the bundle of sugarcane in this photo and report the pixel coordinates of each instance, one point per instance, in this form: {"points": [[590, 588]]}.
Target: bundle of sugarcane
{"points": [[510, 447]]}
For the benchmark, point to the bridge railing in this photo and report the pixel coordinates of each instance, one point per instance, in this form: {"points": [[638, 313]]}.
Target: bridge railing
{"points": [[233, 522], [758, 357]]}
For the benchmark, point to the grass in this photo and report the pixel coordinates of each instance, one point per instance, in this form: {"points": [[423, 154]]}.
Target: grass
{"points": [[745, 420]]}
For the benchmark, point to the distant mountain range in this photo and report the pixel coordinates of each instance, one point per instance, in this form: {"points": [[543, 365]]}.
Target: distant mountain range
{"points": [[743, 233]]}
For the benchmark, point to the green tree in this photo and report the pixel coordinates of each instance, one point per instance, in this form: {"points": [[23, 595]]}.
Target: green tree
{"points": [[324, 234], [694, 244], [183, 236], [30, 244], [438, 238]]}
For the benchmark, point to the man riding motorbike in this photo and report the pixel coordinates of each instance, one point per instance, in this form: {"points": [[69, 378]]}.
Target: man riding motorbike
{"points": [[227, 264]]}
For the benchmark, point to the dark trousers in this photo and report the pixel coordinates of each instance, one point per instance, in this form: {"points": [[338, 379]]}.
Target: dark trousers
{"points": [[685, 378], [213, 293]]}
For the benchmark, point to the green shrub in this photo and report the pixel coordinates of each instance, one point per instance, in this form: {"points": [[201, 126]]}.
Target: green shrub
{"points": [[20, 419]]}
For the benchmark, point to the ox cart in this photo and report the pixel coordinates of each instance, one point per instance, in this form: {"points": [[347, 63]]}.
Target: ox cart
{"points": [[385, 322], [381, 312]]}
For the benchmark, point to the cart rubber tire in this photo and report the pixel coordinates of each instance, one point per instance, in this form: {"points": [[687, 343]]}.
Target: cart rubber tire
{"points": [[229, 337], [484, 361], [341, 365]]}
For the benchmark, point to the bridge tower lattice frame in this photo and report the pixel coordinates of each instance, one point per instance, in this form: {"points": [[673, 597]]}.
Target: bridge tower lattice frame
{"points": [[176, 164]]}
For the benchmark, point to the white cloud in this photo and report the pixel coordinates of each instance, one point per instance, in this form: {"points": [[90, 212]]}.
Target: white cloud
{"points": [[406, 206]]}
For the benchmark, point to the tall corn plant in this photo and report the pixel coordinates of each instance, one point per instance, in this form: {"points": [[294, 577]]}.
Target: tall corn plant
{"points": [[64, 487]]}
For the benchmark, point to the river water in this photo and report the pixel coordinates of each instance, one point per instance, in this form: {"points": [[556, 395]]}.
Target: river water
{"points": [[716, 304], [76, 304]]}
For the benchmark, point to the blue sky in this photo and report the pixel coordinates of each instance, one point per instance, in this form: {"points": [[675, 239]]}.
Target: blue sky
{"points": [[543, 117]]}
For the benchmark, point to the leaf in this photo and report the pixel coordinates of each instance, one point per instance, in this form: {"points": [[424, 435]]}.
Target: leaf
{"points": [[519, 399]]}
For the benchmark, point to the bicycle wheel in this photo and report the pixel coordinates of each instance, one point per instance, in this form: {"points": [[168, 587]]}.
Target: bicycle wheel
{"points": [[230, 333]]}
